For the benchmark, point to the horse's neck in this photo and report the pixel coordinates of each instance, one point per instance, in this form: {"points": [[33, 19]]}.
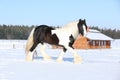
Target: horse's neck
{"points": [[70, 28], [70, 25]]}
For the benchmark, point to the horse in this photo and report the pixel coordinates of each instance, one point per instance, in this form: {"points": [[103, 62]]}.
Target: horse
{"points": [[63, 36]]}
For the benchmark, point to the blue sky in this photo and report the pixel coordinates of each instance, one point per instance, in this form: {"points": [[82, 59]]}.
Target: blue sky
{"points": [[102, 13]]}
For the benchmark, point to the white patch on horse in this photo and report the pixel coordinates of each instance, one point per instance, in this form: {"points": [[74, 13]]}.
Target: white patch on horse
{"points": [[65, 32], [62, 36], [84, 29], [72, 28]]}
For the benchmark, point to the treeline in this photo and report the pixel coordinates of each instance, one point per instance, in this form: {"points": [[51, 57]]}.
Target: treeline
{"points": [[113, 33], [22, 32], [14, 31]]}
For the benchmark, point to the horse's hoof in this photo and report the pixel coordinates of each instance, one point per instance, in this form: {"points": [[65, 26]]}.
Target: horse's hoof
{"points": [[48, 58], [78, 60], [59, 60], [29, 59], [29, 56]]}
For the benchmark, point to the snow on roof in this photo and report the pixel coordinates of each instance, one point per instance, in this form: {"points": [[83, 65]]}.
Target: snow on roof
{"points": [[93, 30], [96, 35]]}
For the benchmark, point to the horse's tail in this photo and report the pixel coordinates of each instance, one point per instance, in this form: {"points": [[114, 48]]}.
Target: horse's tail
{"points": [[29, 41]]}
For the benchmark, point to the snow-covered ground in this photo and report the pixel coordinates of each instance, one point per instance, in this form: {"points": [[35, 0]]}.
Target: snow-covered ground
{"points": [[98, 64]]}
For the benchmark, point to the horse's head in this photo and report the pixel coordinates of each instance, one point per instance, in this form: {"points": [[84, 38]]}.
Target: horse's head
{"points": [[82, 27]]}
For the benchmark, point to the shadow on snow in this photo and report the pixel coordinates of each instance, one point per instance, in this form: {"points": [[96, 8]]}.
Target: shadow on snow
{"points": [[55, 58]]}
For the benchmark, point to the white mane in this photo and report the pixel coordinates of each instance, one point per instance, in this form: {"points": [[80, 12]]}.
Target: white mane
{"points": [[71, 24]]}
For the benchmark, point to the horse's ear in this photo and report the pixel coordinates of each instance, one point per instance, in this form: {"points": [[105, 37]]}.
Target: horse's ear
{"points": [[84, 20], [79, 20]]}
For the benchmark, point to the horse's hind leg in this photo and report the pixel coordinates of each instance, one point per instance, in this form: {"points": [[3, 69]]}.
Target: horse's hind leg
{"points": [[42, 50], [29, 56]]}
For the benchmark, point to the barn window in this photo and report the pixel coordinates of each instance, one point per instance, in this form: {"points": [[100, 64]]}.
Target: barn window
{"points": [[90, 42]]}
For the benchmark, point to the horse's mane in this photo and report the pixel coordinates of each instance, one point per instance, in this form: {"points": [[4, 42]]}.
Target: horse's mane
{"points": [[68, 25]]}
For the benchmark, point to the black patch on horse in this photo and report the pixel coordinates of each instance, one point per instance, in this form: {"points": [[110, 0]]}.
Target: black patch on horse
{"points": [[43, 34], [80, 24], [80, 27], [64, 49], [71, 38], [54, 39]]}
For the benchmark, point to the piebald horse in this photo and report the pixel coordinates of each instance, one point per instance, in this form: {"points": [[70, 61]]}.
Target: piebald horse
{"points": [[64, 36]]}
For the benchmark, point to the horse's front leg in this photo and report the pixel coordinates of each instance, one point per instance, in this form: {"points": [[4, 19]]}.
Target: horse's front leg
{"points": [[77, 58], [29, 56], [60, 57], [42, 50]]}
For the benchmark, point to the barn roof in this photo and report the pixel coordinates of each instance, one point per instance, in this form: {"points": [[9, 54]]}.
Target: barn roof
{"points": [[96, 35]]}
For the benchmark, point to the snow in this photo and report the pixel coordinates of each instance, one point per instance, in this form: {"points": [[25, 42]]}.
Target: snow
{"points": [[115, 43], [10, 44], [98, 64]]}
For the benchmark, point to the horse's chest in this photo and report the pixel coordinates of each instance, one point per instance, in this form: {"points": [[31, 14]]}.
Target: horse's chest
{"points": [[64, 37]]}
